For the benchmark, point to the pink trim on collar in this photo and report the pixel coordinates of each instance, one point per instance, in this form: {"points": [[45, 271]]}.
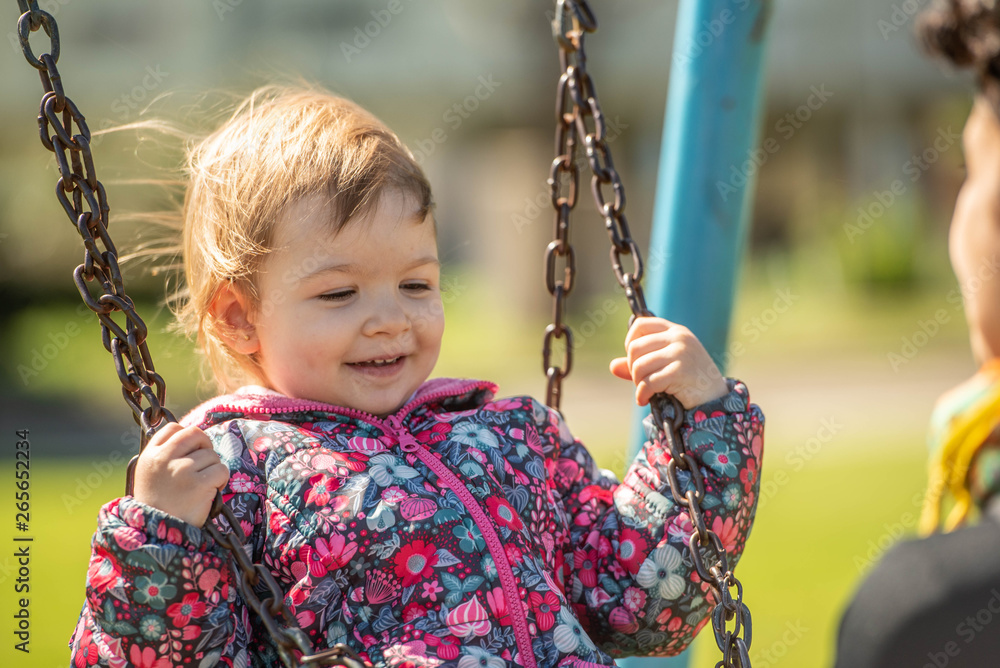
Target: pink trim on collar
{"points": [[254, 399]]}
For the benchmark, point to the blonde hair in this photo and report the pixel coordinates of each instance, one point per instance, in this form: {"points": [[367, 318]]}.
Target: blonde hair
{"points": [[280, 145]]}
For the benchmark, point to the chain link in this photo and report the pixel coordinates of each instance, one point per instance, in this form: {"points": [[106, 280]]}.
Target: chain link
{"points": [[63, 130], [580, 121], [564, 181]]}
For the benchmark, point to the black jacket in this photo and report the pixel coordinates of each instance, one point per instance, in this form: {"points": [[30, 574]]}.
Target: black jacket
{"points": [[930, 603]]}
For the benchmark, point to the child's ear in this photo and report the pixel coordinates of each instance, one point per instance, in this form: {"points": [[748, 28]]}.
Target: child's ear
{"points": [[230, 309]]}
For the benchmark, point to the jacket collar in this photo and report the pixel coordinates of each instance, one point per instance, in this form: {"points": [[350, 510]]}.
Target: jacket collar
{"points": [[254, 400]]}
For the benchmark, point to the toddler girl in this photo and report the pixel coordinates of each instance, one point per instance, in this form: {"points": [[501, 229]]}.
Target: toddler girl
{"points": [[421, 522]]}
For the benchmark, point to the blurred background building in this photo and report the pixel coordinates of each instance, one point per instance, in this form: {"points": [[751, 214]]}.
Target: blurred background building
{"points": [[125, 62]]}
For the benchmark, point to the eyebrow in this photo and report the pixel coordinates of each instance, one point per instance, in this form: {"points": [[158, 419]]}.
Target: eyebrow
{"points": [[353, 268]]}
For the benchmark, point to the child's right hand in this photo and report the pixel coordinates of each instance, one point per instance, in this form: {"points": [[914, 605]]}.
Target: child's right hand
{"points": [[178, 472]]}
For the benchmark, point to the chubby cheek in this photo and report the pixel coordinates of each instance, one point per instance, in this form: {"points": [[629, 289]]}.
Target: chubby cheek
{"points": [[972, 237], [298, 350], [974, 248], [428, 324], [959, 245], [320, 343]]}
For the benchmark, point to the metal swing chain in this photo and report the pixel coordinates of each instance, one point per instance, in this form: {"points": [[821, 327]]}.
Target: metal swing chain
{"points": [[580, 121], [83, 198], [564, 181]]}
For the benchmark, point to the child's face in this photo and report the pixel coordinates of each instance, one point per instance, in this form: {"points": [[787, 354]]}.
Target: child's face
{"points": [[974, 239], [353, 319]]}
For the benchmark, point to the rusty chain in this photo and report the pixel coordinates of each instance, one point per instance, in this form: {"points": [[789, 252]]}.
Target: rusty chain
{"points": [[64, 131], [579, 120], [84, 200], [564, 180]]}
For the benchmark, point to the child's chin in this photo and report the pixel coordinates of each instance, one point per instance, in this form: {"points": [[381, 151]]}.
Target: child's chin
{"points": [[384, 406]]}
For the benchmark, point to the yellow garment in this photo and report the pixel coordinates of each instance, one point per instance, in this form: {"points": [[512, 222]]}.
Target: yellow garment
{"points": [[960, 426]]}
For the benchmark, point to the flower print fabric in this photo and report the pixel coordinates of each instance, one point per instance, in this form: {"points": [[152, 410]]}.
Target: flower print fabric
{"points": [[462, 532]]}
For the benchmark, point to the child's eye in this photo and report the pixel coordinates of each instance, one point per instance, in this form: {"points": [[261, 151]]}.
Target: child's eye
{"points": [[416, 287], [338, 296]]}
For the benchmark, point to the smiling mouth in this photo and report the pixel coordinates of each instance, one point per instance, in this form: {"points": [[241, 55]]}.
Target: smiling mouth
{"points": [[375, 364]]}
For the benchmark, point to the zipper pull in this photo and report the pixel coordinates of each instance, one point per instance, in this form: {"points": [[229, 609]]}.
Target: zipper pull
{"points": [[407, 442]]}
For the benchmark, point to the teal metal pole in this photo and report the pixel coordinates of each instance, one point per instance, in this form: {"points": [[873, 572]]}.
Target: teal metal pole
{"points": [[708, 163]]}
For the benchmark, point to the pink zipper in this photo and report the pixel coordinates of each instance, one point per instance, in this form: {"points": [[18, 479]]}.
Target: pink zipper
{"points": [[393, 424], [306, 405], [408, 443]]}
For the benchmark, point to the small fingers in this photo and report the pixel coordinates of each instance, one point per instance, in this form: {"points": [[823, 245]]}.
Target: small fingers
{"points": [[660, 380], [655, 359], [662, 347], [185, 441], [179, 473], [620, 368], [646, 336], [164, 434], [205, 467], [648, 325], [200, 460], [216, 475]]}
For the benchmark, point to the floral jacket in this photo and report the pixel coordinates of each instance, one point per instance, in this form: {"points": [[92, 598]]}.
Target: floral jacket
{"points": [[461, 531]]}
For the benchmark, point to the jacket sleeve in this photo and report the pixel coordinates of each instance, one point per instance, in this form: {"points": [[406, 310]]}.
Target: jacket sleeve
{"points": [[627, 570], [160, 591]]}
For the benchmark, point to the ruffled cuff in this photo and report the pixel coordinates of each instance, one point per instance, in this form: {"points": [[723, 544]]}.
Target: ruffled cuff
{"points": [[121, 515], [735, 402], [724, 436]]}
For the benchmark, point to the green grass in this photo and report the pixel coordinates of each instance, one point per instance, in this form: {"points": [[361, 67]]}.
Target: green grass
{"points": [[811, 543], [65, 497]]}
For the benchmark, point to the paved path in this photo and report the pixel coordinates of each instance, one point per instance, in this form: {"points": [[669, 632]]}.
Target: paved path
{"points": [[845, 401]]}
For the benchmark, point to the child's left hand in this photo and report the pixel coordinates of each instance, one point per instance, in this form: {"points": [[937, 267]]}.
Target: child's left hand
{"points": [[666, 357]]}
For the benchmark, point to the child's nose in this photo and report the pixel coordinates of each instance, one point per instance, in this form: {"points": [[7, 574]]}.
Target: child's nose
{"points": [[388, 317]]}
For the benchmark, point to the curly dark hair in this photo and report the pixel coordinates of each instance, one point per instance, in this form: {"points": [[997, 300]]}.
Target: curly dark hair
{"points": [[967, 33]]}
